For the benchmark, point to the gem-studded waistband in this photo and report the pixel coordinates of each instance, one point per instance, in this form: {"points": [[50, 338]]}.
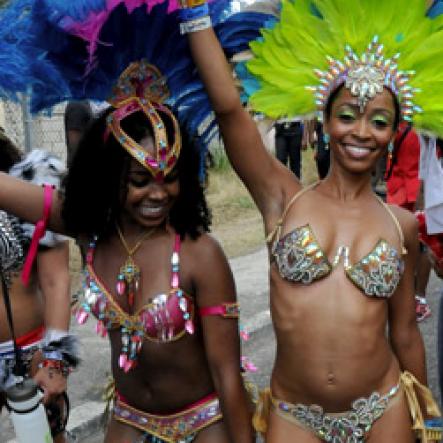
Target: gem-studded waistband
{"points": [[173, 427], [344, 427], [347, 427]]}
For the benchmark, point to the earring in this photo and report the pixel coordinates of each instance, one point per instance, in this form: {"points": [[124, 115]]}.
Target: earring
{"points": [[326, 139], [390, 150]]}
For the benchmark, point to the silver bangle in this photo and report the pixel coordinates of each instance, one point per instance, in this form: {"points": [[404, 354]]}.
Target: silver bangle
{"points": [[199, 24]]}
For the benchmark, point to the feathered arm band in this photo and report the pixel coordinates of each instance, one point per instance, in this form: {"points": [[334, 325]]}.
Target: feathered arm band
{"points": [[61, 346]]}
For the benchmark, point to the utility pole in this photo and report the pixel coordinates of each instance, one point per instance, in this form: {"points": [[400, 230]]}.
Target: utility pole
{"points": [[27, 123]]}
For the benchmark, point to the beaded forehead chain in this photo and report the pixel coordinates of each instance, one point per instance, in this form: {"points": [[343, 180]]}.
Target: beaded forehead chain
{"points": [[142, 88], [366, 76]]}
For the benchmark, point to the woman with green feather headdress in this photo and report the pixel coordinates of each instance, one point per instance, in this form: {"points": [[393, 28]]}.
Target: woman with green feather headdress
{"points": [[341, 260]]}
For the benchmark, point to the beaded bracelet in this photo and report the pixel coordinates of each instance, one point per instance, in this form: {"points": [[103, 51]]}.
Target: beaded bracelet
{"points": [[196, 25], [52, 355], [188, 14], [56, 365]]}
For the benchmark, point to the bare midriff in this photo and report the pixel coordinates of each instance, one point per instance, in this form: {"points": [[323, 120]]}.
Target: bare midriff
{"points": [[165, 379], [331, 343], [27, 309]]}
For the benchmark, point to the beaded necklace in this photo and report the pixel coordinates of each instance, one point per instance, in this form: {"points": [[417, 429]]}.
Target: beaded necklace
{"points": [[164, 319], [128, 279]]}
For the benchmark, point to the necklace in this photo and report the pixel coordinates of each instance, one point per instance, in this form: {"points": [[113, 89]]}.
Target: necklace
{"points": [[128, 279]]}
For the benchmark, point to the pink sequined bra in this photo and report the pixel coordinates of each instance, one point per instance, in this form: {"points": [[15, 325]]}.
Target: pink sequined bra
{"points": [[299, 258], [166, 318]]}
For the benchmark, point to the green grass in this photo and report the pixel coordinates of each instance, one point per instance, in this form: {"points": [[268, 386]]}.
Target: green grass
{"points": [[220, 161]]}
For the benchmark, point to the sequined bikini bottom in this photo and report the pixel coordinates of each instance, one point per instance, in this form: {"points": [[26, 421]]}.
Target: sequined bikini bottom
{"points": [[352, 426], [181, 427], [347, 427]]}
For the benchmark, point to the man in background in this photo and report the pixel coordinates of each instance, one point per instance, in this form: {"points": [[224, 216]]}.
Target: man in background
{"points": [[78, 115], [288, 144]]}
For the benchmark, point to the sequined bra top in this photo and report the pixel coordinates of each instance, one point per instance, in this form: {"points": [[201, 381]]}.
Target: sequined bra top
{"points": [[167, 317], [13, 245], [299, 258]]}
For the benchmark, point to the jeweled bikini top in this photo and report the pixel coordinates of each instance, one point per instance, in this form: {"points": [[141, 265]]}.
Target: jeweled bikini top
{"points": [[12, 244], [167, 317], [299, 258]]}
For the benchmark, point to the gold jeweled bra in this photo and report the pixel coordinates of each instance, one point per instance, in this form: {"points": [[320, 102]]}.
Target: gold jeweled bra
{"points": [[299, 258]]}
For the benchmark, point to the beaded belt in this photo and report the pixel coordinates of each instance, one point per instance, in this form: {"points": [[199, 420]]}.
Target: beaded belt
{"points": [[346, 427], [173, 428]]}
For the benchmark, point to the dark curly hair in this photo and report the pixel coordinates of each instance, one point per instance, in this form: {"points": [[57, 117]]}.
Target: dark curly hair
{"points": [[96, 185], [9, 153]]}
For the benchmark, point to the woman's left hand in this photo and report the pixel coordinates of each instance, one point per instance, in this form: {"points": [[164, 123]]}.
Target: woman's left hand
{"points": [[52, 382]]}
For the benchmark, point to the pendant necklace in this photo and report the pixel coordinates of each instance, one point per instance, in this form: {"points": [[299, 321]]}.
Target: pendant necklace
{"points": [[129, 275]]}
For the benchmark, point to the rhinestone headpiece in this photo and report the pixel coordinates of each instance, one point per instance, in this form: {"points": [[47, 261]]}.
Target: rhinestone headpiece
{"points": [[366, 76], [141, 87]]}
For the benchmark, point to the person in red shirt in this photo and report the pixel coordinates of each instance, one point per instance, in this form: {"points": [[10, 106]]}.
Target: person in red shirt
{"points": [[403, 189], [403, 183]]}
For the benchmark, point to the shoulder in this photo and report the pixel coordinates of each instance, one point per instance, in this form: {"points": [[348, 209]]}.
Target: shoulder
{"points": [[205, 248], [205, 259]]}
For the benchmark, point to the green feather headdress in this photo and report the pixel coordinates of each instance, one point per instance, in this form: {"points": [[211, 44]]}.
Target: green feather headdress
{"points": [[316, 44]]}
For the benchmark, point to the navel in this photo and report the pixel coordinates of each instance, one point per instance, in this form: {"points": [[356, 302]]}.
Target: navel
{"points": [[331, 380]]}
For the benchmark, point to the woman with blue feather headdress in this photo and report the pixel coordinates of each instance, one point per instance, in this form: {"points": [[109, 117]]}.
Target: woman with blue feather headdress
{"points": [[159, 286]]}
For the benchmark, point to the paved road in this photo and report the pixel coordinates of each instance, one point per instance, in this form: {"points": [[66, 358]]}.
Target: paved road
{"points": [[251, 276]]}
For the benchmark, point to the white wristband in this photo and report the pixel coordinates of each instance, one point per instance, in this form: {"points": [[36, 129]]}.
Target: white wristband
{"points": [[53, 335], [199, 24]]}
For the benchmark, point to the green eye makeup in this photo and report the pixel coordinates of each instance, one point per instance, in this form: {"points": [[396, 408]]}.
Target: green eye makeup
{"points": [[379, 118], [346, 114]]}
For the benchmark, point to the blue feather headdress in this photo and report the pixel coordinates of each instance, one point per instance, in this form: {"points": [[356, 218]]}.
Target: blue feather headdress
{"points": [[436, 8], [15, 73], [85, 45]]}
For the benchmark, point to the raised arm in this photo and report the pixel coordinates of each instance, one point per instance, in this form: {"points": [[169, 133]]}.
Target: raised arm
{"points": [[265, 177], [25, 200]]}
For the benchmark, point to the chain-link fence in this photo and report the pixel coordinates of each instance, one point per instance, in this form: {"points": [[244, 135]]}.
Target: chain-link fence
{"points": [[30, 132]]}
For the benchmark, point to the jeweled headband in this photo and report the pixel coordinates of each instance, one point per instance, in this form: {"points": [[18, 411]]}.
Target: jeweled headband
{"points": [[142, 88], [366, 76]]}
